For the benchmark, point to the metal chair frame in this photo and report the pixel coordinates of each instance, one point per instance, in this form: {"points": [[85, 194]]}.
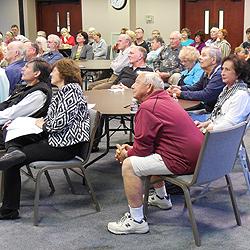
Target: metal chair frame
{"points": [[203, 167], [76, 163]]}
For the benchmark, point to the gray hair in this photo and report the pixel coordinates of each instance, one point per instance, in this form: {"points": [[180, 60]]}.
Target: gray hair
{"points": [[142, 50], [42, 43], [64, 30], [55, 38], [214, 52], [190, 53], [176, 33], [19, 46], [152, 78], [214, 29], [41, 33], [126, 37], [158, 39]]}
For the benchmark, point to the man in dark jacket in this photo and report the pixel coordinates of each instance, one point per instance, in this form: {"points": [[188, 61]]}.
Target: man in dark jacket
{"points": [[208, 88], [166, 141], [137, 59], [32, 99]]}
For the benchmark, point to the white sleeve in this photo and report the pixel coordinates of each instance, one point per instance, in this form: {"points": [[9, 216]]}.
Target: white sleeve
{"points": [[237, 110], [4, 85], [120, 62], [26, 107]]}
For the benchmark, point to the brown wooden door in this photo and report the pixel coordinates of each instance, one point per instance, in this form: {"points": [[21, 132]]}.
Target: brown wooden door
{"points": [[53, 15], [192, 17]]}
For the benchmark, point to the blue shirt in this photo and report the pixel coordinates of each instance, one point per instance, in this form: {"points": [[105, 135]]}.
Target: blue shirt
{"points": [[52, 56], [187, 42], [193, 76], [13, 72]]}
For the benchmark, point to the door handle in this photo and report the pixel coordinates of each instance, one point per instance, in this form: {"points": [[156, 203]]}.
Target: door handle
{"points": [[57, 21], [68, 21]]}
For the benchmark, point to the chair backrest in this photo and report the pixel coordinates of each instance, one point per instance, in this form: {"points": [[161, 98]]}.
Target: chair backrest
{"points": [[108, 52], [218, 154], [94, 122]]}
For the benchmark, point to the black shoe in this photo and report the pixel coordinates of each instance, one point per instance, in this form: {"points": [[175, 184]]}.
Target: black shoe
{"points": [[9, 214], [11, 159], [173, 189], [95, 149]]}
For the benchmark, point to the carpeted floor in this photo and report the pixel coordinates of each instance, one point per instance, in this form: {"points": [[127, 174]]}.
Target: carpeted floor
{"points": [[70, 221]]}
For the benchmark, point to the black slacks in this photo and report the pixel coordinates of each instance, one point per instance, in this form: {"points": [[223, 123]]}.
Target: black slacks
{"points": [[36, 151]]}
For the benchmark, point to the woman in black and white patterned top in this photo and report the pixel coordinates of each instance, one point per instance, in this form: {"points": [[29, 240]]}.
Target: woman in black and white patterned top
{"points": [[65, 129]]}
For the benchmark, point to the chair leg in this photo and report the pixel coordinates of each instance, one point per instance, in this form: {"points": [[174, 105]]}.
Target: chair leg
{"points": [[37, 198], [69, 181], [244, 162], [233, 200], [122, 121], [51, 185], [91, 190], [191, 215], [246, 155], [146, 194]]}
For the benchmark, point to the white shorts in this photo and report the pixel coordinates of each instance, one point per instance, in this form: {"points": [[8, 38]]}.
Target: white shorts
{"points": [[149, 165]]}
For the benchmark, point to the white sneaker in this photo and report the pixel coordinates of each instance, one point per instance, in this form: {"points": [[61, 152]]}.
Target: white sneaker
{"points": [[127, 225], [163, 203]]}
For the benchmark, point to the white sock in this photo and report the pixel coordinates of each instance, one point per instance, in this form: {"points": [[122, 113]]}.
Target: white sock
{"points": [[136, 213], [161, 192]]}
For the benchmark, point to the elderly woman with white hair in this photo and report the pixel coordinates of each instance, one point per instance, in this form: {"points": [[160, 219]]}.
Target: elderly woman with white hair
{"points": [[189, 59], [166, 141], [100, 48]]}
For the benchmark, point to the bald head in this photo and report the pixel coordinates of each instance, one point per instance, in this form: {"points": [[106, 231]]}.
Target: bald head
{"points": [[145, 84], [152, 78], [15, 51]]}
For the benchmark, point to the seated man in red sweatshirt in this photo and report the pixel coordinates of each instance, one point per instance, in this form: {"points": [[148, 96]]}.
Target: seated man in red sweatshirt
{"points": [[166, 141]]}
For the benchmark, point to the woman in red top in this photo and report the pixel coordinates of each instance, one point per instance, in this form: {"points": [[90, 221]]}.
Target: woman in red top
{"points": [[66, 38]]}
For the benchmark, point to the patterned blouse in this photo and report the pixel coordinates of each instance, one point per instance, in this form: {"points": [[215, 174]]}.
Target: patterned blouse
{"points": [[168, 61], [67, 121]]}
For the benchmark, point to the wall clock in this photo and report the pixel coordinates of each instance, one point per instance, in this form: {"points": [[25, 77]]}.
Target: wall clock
{"points": [[118, 4]]}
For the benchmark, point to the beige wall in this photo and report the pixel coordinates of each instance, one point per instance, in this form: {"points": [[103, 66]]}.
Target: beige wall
{"points": [[29, 8], [103, 17], [99, 14], [9, 14], [165, 13], [108, 20], [246, 16]]}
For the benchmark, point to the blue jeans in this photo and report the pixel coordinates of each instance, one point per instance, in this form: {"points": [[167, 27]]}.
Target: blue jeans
{"points": [[199, 116]]}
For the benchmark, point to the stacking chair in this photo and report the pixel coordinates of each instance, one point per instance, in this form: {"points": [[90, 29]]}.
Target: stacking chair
{"points": [[77, 162], [244, 160], [216, 160]]}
